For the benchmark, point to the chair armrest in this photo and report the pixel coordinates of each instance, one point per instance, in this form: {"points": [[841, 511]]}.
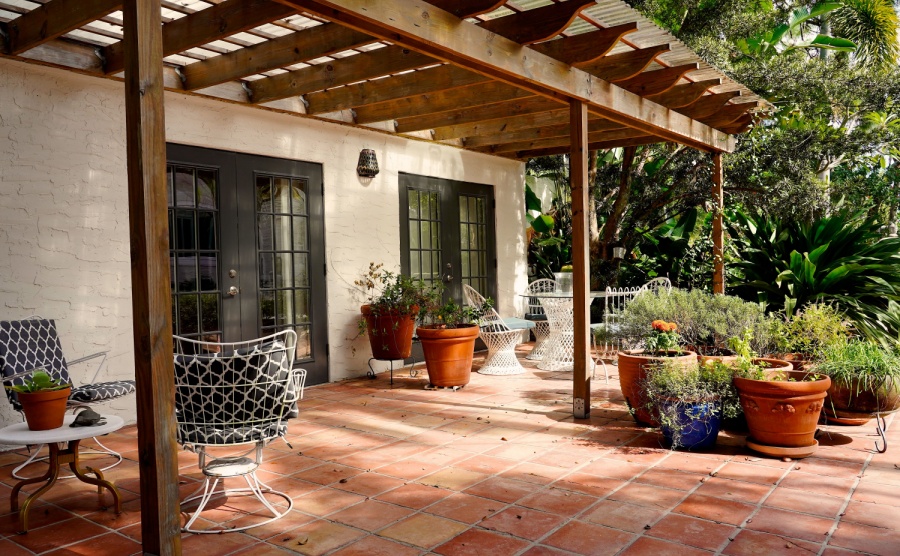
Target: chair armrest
{"points": [[88, 358]]}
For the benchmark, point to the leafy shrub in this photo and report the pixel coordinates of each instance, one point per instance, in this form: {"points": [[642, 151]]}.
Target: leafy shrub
{"points": [[840, 259], [810, 331], [862, 365], [705, 321]]}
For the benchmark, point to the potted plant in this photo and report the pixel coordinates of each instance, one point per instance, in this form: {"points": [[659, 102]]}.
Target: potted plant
{"points": [[689, 401], [661, 343], [802, 338], [564, 278], [448, 332], [43, 400], [865, 381], [782, 409], [390, 310]]}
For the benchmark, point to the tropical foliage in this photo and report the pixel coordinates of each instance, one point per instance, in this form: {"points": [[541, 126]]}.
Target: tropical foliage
{"points": [[842, 260]]}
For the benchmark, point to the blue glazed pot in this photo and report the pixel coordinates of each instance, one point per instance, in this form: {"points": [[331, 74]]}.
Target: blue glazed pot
{"points": [[700, 423]]}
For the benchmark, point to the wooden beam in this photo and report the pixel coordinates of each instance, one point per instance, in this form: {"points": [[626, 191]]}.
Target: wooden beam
{"points": [[204, 26], [396, 87], [581, 260], [440, 101], [494, 127], [682, 95], [708, 105], [728, 114], [439, 34], [659, 81], [536, 133], [740, 125], [619, 67], [600, 146], [496, 111], [50, 20], [586, 47], [302, 46], [539, 24], [150, 292], [718, 232], [605, 136], [467, 8], [368, 65]]}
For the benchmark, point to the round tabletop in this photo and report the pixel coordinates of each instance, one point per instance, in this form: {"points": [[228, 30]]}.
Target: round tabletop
{"points": [[561, 295], [20, 434]]}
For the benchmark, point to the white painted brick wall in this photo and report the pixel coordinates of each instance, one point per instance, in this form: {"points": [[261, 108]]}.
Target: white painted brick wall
{"points": [[64, 247]]}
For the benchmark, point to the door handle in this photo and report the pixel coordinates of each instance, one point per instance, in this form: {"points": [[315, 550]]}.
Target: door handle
{"points": [[233, 291], [449, 276]]}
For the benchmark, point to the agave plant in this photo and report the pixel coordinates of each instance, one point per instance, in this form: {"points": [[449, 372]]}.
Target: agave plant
{"points": [[840, 259]]}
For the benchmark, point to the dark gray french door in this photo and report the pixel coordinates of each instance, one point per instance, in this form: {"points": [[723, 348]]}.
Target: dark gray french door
{"points": [[247, 244], [447, 233]]}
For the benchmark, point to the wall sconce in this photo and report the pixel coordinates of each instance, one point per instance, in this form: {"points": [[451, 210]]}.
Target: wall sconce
{"points": [[618, 252], [367, 167]]}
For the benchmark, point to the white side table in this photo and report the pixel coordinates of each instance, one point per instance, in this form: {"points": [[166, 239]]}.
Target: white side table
{"points": [[19, 434]]}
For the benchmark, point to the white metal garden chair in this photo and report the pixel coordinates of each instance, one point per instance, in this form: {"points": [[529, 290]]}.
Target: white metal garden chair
{"points": [[501, 336], [234, 394], [536, 314]]}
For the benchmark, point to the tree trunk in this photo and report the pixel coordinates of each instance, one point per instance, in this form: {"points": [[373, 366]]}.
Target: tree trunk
{"points": [[611, 228]]}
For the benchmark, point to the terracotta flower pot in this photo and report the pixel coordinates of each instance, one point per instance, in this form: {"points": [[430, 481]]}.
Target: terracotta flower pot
{"points": [[783, 413], [800, 361], [849, 404], [771, 364], [710, 359], [390, 335], [448, 354], [44, 410], [633, 366]]}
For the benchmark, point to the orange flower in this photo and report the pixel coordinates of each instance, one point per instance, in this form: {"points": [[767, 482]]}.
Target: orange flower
{"points": [[664, 326]]}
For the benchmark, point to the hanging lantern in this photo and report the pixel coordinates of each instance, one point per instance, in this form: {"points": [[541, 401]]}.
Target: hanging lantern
{"points": [[367, 167], [618, 252]]}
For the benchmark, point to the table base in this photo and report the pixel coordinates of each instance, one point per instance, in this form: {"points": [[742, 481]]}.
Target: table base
{"points": [[59, 457]]}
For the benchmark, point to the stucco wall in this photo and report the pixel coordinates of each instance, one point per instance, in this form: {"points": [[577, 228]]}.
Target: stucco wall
{"points": [[64, 246]]}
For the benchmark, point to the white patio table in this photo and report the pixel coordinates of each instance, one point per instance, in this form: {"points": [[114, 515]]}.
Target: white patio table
{"points": [[560, 345]]}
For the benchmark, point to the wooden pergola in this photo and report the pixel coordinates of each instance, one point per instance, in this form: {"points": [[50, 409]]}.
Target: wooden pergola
{"points": [[509, 79]]}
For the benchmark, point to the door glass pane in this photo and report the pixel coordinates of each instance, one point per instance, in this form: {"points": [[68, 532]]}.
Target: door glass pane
{"points": [[209, 272], [301, 269], [298, 197], [266, 270], [206, 230], [267, 309], [170, 187], [283, 240], [301, 242], [282, 195], [184, 187], [414, 242], [304, 344], [301, 306], [424, 235], [264, 232], [209, 312], [263, 194], [206, 189], [284, 275], [185, 230], [413, 205], [186, 272], [188, 315]]}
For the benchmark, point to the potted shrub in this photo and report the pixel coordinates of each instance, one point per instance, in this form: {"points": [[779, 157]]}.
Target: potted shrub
{"points": [[802, 338], [689, 401], [661, 343], [43, 399], [390, 310], [782, 409], [448, 332], [865, 381]]}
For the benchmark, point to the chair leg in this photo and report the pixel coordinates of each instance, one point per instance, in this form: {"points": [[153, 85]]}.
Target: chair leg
{"points": [[254, 486], [204, 499]]}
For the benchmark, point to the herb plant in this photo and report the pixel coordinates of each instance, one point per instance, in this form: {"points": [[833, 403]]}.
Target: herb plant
{"points": [[39, 381]]}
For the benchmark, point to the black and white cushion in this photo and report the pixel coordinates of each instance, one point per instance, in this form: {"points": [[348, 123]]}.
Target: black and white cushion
{"points": [[93, 393], [234, 397]]}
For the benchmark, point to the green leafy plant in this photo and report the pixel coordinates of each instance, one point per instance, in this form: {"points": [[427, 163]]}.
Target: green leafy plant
{"points": [[816, 328], [673, 390], [841, 260], [860, 365], [436, 313], [389, 293], [39, 381], [663, 337]]}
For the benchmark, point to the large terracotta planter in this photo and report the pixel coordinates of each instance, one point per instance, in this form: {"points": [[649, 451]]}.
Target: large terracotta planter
{"points": [[448, 354], [711, 359], [800, 361], [44, 410], [770, 364], [390, 335], [849, 404], [782, 414], [633, 366]]}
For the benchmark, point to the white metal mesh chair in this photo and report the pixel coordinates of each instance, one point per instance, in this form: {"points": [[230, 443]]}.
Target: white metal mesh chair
{"points": [[500, 336], [32, 343], [233, 394], [657, 284], [536, 314]]}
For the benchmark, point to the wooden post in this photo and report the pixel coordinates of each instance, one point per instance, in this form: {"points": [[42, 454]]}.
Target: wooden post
{"points": [[150, 290], [718, 232], [578, 173]]}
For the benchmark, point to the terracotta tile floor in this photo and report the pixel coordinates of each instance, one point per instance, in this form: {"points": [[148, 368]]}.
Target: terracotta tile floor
{"points": [[500, 467]]}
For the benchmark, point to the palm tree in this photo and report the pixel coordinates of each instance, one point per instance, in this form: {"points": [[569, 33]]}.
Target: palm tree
{"points": [[873, 26]]}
